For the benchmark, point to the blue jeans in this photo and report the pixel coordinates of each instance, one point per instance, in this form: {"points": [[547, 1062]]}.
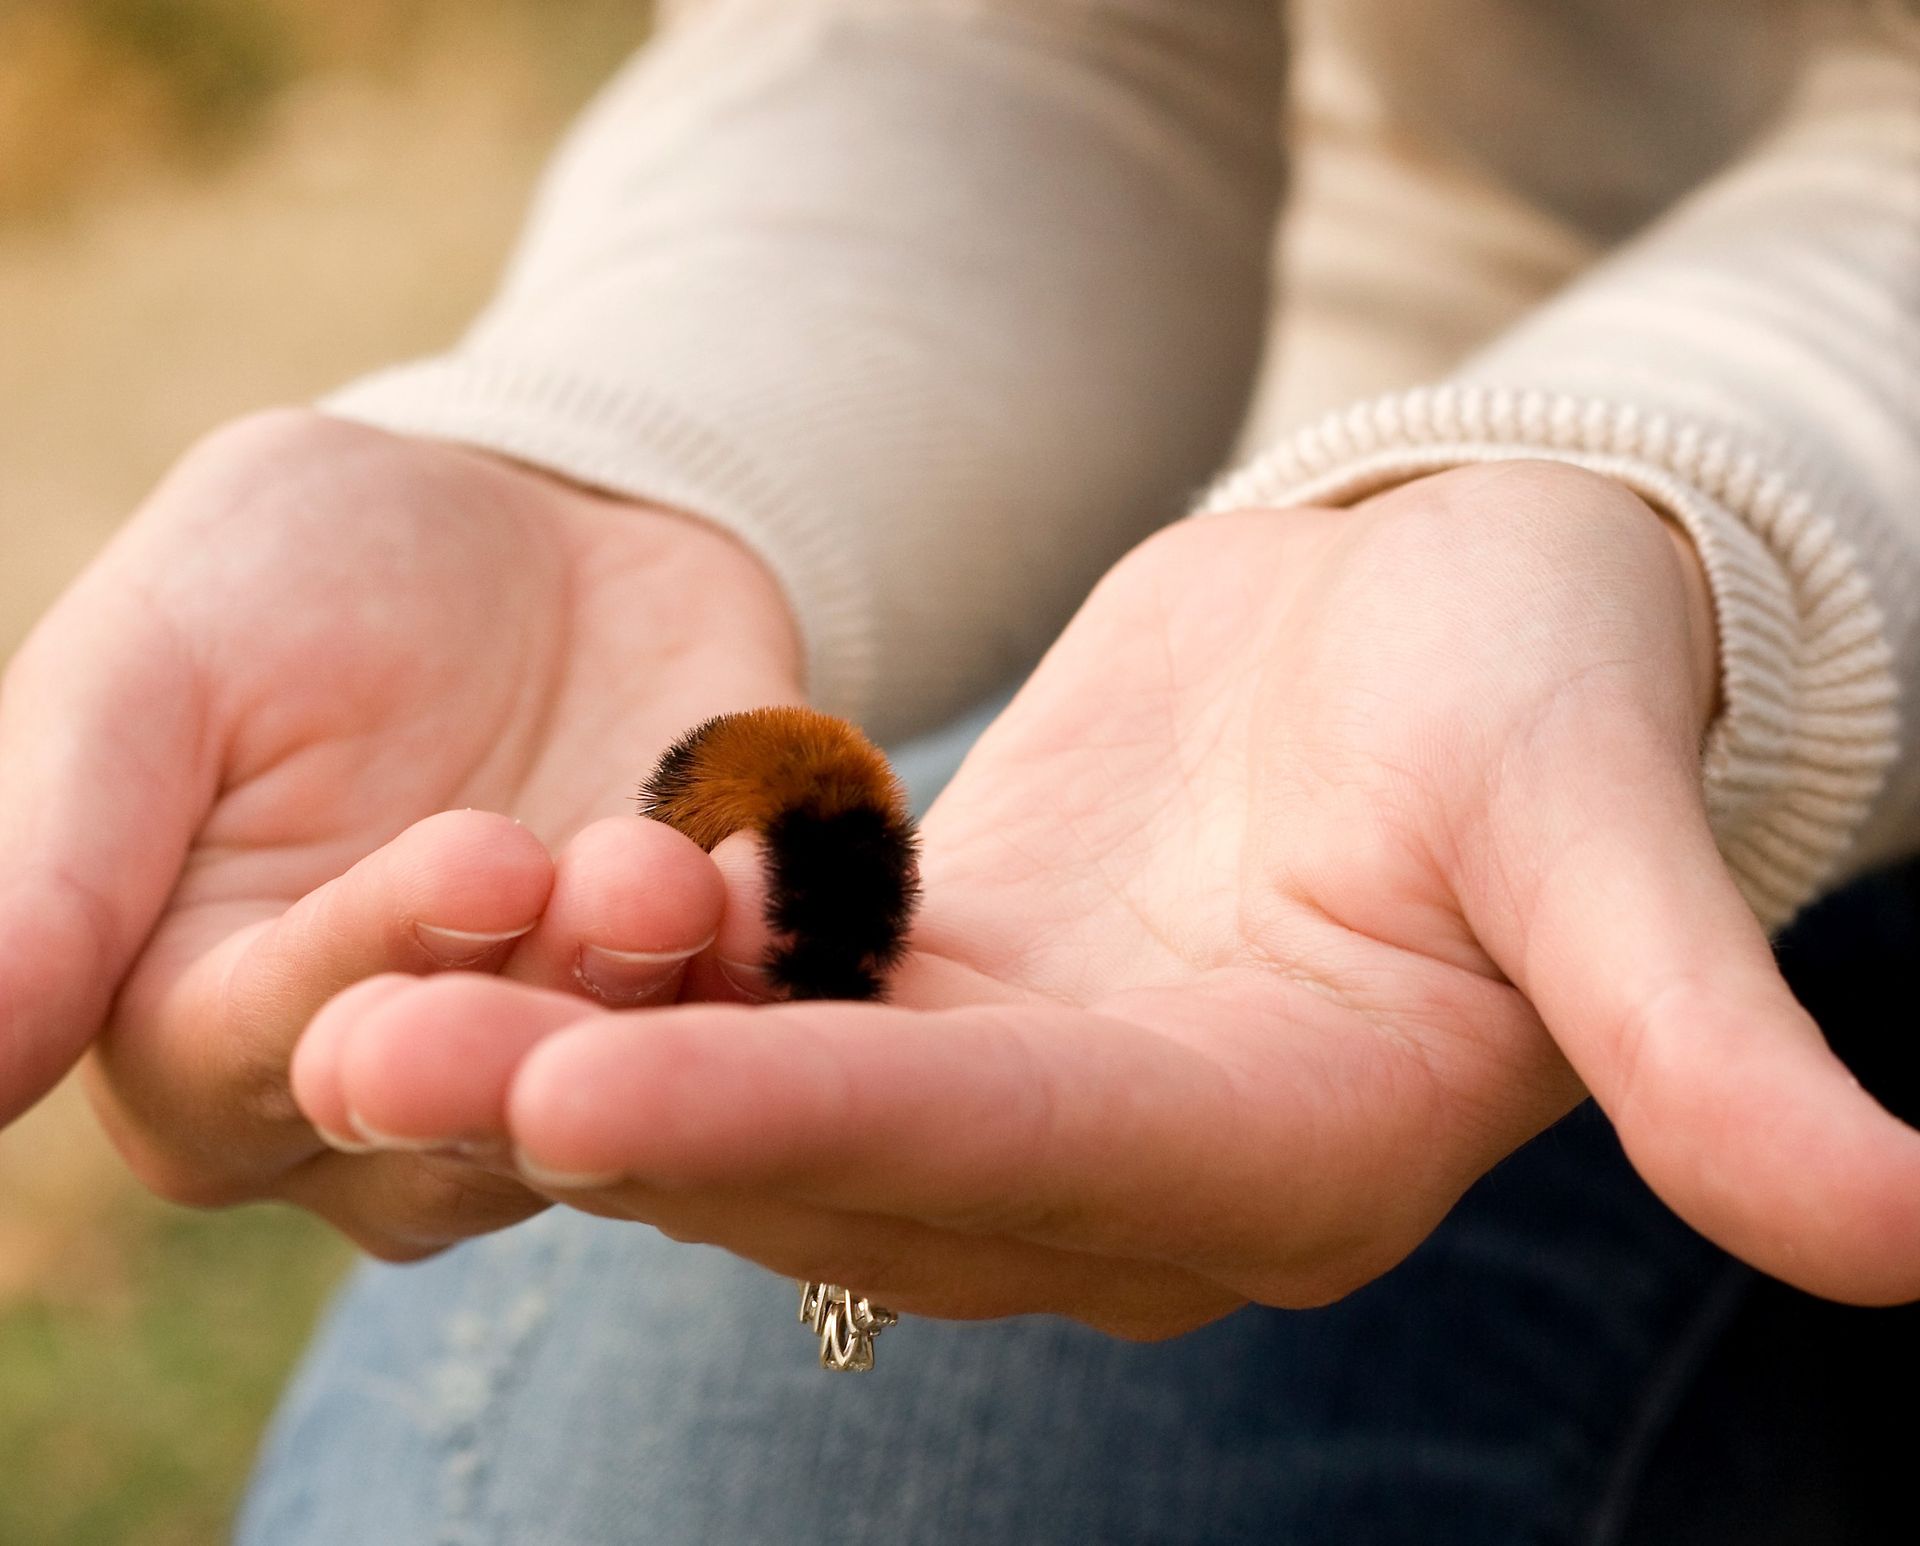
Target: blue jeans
{"points": [[575, 1382]]}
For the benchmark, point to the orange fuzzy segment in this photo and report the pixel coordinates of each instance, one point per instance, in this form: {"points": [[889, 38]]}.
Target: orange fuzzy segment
{"points": [[741, 771]]}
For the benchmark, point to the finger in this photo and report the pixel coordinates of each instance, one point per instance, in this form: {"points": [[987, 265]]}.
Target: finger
{"points": [[436, 1075], [197, 1061], [402, 1207], [732, 968], [916, 1269], [107, 767], [1628, 934], [632, 902], [402, 1065], [313, 1073], [1059, 1127]]}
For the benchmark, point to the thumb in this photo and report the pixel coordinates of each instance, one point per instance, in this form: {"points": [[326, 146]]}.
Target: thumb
{"points": [[1625, 930], [105, 772]]}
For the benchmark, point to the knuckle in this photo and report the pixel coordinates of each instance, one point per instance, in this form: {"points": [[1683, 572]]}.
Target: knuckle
{"points": [[1637, 1084]]}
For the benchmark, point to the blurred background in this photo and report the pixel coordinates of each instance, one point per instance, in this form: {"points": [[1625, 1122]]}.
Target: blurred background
{"points": [[207, 206]]}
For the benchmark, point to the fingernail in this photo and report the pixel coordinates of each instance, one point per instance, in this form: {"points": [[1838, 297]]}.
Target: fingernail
{"points": [[376, 1141], [562, 1180], [343, 1143], [749, 982], [628, 976], [462, 947]]}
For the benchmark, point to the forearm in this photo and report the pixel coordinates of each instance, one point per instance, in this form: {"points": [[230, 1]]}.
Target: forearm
{"points": [[938, 307], [1748, 366]]}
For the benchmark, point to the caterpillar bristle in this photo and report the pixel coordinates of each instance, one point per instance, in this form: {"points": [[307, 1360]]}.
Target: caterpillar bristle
{"points": [[842, 856]]}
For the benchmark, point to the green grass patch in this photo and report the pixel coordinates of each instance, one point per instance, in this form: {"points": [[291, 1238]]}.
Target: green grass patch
{"points": [[219, 62], [131, 1404]]}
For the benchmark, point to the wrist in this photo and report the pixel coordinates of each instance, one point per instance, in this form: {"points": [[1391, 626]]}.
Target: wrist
{"points": [[1702, 627], [725, 594], [1521, 488], [1593, 495], [679, 592]]}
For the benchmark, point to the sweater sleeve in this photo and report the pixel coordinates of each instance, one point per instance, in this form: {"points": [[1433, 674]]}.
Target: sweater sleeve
{"points": [[1750, 365], [937, 304]]}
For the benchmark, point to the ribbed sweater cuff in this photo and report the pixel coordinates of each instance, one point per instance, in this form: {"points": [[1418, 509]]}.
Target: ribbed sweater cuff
{"points": [[1809, 724], [630, 442]]}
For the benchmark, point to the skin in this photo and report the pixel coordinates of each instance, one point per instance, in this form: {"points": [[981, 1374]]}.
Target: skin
{"points": [[1327, 857], [337, 704]]}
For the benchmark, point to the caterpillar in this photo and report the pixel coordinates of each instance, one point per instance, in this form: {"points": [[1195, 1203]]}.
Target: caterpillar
{"points": [[841, 852]]}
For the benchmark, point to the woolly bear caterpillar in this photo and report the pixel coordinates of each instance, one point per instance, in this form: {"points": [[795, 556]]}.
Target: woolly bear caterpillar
{"points": [[842, 867]]}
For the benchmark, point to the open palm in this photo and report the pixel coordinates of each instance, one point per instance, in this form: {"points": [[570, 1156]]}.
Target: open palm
{"points": [[219, 749]]}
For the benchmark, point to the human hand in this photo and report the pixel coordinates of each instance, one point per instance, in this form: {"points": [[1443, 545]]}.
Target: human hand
{"points": [[1319, 864], [232, 765]]}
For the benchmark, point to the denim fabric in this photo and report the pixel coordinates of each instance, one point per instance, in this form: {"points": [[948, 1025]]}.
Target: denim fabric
{"points": [[589, 1383], [575, 1382]]}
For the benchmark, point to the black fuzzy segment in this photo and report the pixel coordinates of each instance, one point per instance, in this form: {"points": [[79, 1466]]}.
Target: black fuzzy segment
{"points": [[843, 889], [672, 776]]}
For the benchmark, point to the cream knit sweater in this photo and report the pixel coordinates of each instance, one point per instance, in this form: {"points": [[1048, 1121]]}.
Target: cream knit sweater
{"points": [[942, 304]]}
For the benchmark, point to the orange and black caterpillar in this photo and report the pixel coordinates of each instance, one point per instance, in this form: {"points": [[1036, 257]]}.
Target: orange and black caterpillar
{"points": [[842, 868]]}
